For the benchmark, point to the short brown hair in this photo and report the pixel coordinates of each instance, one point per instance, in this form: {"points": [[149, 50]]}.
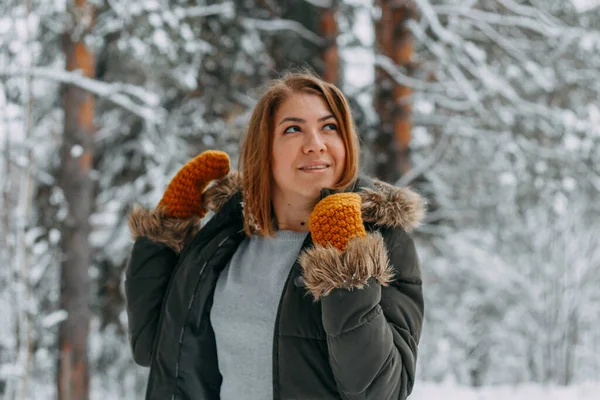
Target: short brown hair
{"points": [[255, 157]]}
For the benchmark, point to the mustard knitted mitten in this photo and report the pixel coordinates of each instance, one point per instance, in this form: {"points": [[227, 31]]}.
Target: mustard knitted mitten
{"points": [[344, 256], [183, 197], [336, 219]]}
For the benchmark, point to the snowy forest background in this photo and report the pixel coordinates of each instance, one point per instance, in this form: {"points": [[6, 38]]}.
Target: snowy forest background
{"points": [[489, 108]]}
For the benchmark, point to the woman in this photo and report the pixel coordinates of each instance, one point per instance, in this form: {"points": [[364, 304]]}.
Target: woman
{"points": [[305, 284]]}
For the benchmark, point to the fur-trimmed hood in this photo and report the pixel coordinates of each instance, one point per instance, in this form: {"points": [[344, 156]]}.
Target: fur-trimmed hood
{"points": [[382, 204]]}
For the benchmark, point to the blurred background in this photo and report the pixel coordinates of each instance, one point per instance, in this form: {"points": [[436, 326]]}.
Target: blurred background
{"points": [[488, 108]]}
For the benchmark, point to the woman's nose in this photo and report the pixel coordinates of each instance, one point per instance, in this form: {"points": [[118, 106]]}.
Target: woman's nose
{"points": [[314, 143]]}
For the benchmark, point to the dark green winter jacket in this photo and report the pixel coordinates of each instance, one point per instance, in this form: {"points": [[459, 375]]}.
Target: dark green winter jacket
{"points": [[357, 342]]}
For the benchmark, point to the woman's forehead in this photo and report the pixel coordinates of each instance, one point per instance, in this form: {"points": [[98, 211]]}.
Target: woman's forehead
{"points": [[302, 106]]}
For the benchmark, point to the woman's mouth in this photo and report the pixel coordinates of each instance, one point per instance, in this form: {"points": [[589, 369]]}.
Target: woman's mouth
{"points": [[314, 168]]}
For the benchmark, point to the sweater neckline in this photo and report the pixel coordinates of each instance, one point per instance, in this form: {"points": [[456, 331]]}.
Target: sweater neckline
{"points": [[290, 236]]}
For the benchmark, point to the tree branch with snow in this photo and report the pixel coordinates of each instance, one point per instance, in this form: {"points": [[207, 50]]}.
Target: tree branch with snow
{"points": [[118, 93]]}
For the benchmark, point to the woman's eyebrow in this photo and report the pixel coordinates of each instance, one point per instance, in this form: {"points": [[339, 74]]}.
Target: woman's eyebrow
{"points": [[294, 119], [326, 117]]}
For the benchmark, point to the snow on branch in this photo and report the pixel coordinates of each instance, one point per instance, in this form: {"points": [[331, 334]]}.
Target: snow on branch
{"points": [[501, 41], [38, 174], [441, 121], [430, 15], [320, 3], [226, 9], [284, 25], [544, 29], [532, 20], [443, 54], [528, 11], [486, 77], [118, 93], [389, 66], [424, 166]]}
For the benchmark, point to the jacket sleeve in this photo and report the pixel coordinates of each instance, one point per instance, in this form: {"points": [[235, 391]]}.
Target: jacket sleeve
{"points": [[146, 279], [158, 241], [372, 315]]}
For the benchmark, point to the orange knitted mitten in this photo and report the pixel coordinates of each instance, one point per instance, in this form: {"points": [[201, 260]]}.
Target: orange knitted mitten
{"points": [[183, 197], [336, 219]]}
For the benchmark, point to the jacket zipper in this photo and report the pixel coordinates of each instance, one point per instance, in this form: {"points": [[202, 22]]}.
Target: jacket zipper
{"points": [[162, 312], [192, 300], [160, 322]]}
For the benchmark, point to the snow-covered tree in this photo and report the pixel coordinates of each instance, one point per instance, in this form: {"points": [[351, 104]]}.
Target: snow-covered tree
{"points": [[506, 132]]}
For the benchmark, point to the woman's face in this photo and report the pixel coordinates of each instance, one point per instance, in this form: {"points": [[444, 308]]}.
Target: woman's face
{"points": [[308, 151]]}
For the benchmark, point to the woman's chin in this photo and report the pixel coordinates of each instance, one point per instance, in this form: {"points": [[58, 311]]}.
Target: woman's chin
{"points": [[321, 180], [313, 192]]}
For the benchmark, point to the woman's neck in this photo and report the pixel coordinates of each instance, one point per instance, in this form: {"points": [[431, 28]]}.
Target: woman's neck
{"points": [[292, 213]]}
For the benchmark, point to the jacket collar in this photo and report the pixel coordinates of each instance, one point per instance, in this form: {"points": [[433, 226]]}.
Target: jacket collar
{"points": [[382, 204]]}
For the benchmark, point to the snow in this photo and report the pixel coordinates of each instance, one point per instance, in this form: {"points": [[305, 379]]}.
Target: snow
{"points": [[358, 66], [364, 28], [572, 142], [226, 9], [5, 25], [76, 151], [151, 5], [430, 391], [54, 318], [155, 20], [10, 371], [421, 138], [569, 183], [466, 89], [161, 39], [585, 5], [433, 391], [508, 179]]}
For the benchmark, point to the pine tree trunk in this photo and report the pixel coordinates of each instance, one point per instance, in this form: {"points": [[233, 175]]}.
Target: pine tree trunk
{"points": [[76, 183], [331, 56], [289, 50], [393, 101]]}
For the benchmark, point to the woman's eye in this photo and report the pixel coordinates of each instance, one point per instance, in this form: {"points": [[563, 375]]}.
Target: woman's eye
{"points": [[331, 127], [292, 129]]}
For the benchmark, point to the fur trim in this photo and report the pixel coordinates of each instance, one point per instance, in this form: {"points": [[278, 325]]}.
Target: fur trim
{"points": [[396, 207], [158, 227], [326, 268], [221, 190], [386, 205]]}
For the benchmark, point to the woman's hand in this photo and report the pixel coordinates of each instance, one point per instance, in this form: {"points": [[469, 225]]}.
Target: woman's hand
{"points": [[177, 218], [336, 219], [183, 197], [344, 256]]}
